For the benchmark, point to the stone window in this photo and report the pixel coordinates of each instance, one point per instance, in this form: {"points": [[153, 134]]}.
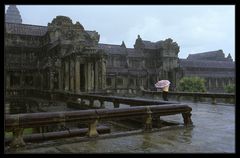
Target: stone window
{"points": [[119, 81], [135, 64], [109, 81], [29, 80], [14, 80], [131, 82], [118, 62]]}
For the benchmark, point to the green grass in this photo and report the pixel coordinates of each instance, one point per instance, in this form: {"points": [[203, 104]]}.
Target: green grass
{"points": [[25, 132]]}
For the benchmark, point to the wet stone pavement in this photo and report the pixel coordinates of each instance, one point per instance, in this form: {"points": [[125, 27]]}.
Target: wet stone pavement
{"points": [[213, 132]]}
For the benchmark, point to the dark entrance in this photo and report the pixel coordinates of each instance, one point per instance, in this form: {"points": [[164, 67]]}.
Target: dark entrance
{"points": [[82, 78]]}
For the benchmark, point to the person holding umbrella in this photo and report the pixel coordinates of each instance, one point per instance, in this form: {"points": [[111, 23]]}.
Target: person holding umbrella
{"points": [[164, 85]]}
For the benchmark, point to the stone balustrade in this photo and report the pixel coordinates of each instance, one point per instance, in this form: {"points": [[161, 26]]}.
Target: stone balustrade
{"points": [[70, 96], [195, 95], [17, 122]]}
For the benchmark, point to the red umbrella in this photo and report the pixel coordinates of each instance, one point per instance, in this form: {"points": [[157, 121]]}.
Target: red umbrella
{"points": [[162, 83]]}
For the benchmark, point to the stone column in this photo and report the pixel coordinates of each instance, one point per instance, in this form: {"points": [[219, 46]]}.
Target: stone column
{"points": [[71, 70], [99, 74], [41, 80], [209, 83], [8, 81], [96, 76], [103, 74], [89, 76], [22, 80], [92, 76], [216, 83], [59, 79], [51, 80], [77, 76], [66, 78], [86, 76]]}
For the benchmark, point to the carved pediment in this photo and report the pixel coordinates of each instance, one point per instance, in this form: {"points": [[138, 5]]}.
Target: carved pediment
{"points": [[62, 28], [168, 45]]}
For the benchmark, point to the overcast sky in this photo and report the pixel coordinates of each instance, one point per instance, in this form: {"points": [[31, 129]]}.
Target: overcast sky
{"points": [[196, 28]]}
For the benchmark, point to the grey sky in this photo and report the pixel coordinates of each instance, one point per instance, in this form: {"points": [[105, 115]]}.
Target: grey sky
{"points": [[196, 28]]}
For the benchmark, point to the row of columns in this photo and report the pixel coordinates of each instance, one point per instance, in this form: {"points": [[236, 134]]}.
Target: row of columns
{"points": [[218, 82], [94, 75]]}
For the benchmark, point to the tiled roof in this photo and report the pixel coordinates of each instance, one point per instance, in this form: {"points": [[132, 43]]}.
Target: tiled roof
{"points": [[112, 48], [212, 55], [206, 64], [32, 30], [210, 74], [149, 44], [25, 29], [133, 53]]}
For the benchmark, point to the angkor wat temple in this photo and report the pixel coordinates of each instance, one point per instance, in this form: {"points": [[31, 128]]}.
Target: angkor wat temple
{"points": [[65, 56]]}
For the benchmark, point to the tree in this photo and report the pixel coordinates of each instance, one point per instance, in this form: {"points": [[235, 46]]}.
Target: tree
{"points": [[192, 84], [230, 88]]}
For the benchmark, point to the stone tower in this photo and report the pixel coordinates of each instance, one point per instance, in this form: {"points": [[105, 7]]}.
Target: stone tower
{"points": [[13, 15]]}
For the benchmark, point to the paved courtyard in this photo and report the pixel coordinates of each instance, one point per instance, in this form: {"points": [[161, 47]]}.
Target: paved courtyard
{"points": [[213, 132]]}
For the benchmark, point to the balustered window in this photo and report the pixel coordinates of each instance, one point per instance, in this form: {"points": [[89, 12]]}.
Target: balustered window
{"points": [[119, 81], [109, 81], [14, 80], [29, 80]]}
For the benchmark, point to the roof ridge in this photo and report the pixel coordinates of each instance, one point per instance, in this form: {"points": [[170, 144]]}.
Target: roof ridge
{"points": [[25, 24]]}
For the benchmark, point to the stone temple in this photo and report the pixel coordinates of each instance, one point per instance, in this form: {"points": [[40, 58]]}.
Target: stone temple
{"points": [[65, 56]]}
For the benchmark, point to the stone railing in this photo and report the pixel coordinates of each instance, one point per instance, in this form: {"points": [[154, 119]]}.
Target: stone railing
{"points": [[125, 91], [74, 97], [17, 122], [14, 92], [195, 95]]}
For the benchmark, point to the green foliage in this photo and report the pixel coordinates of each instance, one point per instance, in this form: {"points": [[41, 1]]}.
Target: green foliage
{"points": [[8, 134], [230, 88], [192, 84], [25, 132]]}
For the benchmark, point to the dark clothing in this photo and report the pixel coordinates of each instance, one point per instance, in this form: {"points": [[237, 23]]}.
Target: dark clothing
{"points": [[164, 95]]}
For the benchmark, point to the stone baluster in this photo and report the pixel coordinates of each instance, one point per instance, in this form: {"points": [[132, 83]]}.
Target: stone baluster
{"points": [[178, 97], [92, 130], [17, 138], [91, 102], [148, 121], [116, 104], [158, 121], [101, 104], [187, 118], [195, 99], [214, 100]]}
